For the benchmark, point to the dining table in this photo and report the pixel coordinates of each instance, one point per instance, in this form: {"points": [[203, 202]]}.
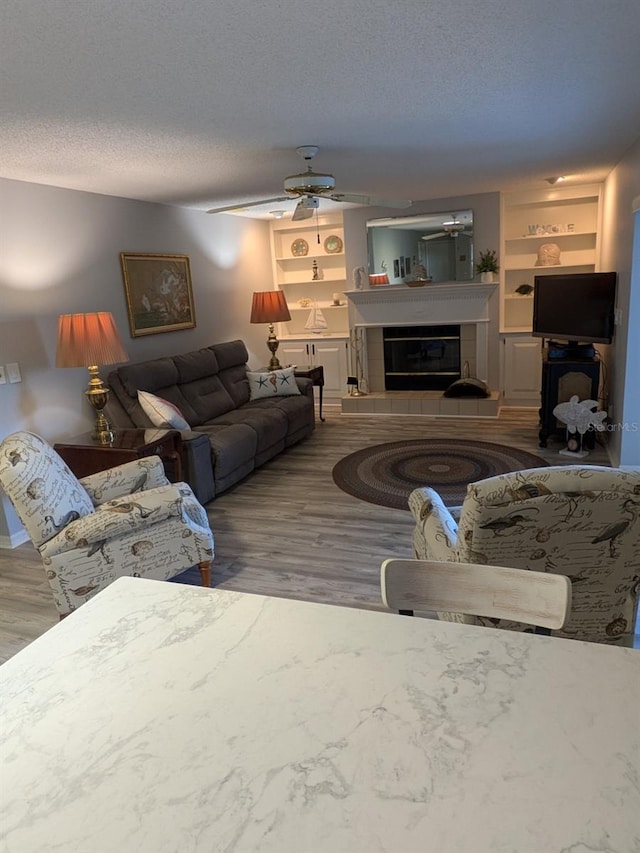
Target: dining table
{"points": [[168, 718]]}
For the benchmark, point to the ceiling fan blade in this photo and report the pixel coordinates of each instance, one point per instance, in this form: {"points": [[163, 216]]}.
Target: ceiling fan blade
{"points": [[242, 206], [434, 236], [352, 198]]}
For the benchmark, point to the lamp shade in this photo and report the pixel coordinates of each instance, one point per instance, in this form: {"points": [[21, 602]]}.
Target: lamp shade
{"points": [[88, 339], [269, 306]]}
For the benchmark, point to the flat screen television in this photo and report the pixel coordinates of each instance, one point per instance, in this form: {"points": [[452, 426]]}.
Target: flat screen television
{"points": [[575, 307]]}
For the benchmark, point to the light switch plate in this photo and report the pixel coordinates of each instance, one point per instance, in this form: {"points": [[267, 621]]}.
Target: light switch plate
{"points": [[3, 377], [13, 372]]}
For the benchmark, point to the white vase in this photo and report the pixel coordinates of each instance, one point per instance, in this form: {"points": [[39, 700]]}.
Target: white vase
{"points": [[487, 277]]}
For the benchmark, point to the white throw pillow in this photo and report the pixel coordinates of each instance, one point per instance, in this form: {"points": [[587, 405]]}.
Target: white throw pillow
{"points": [[161, 412], [275, 383]]}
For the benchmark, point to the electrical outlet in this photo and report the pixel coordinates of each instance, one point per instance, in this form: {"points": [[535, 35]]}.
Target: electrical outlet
{"points": [[3, 378], [13, 372]]}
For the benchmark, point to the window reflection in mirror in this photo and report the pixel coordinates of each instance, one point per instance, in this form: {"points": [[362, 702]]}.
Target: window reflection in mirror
{"points": [[434, 246]]}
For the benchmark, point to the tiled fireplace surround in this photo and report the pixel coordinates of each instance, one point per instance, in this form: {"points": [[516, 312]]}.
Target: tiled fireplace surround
{"points": [[371, 310]]}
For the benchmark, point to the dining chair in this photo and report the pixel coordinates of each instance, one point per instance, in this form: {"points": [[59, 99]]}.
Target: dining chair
{"points": [[495, 592]]}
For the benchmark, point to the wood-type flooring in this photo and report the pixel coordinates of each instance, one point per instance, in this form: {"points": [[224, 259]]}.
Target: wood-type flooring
{"points": [[288, 530]]}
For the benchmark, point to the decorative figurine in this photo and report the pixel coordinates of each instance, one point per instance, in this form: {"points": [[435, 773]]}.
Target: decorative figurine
{"points": [[315, 275]]}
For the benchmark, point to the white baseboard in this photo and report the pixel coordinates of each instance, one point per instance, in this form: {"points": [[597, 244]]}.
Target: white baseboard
{"points": [[14, 539]]}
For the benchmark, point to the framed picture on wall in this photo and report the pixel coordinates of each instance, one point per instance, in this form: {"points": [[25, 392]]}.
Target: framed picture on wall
{"points": [[402, 266], [158, 293], [396, 268]]}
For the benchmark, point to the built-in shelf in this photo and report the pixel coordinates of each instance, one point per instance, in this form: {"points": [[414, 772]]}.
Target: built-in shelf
{"points": [[570, 218], [316, 275]]}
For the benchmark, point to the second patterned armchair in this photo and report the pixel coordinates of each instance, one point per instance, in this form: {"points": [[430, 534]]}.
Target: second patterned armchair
{"points": [[579, 521], [128, 520]]}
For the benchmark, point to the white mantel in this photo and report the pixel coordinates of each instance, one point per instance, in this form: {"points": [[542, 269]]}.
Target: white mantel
{"points": [[431, 305]]}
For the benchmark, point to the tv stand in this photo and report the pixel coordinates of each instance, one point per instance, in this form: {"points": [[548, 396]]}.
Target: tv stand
{"points": [[562, 378]]}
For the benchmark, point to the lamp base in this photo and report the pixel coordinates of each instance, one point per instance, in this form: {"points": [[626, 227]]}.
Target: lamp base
{"points": [[273, 343], [98, 395], [356, 392]]}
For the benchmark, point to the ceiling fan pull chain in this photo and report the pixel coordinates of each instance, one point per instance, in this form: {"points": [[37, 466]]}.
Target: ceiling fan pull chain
{"points": [[317, 227]]}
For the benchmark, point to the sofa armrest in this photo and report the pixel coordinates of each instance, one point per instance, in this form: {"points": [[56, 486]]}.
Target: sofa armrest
{"points": [[305, 385], [436, 531], [145, 473], [119, 516]]}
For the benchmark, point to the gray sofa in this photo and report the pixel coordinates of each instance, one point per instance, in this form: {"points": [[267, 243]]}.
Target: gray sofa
{"points": [[230, 434]]}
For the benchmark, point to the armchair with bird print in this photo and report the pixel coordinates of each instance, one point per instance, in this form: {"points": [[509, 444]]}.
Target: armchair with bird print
{"points": [[128, 520], [579, 521]]}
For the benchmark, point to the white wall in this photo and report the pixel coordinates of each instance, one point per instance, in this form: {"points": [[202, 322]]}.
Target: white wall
{"points": [[61, 253], [619, 253]]}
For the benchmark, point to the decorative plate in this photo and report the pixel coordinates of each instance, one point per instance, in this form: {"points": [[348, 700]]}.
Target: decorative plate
{"points": [[299, 248], [333, 244]]}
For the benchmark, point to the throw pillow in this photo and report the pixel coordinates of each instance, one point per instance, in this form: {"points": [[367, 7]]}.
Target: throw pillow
{"points": [[161, 412], [275, 383]]}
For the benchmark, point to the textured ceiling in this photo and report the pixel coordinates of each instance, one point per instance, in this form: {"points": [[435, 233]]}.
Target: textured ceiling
{"points": [[202, 103]]}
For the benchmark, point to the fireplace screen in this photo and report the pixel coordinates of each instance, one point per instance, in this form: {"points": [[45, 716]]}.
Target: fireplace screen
{"points": [[421, 358]]}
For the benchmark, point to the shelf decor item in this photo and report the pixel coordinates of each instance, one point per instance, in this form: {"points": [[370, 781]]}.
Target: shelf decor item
{"points": [[316, 321], [333, 244], [548, 255], [270, 307], [487, 266], [299, 248], [524, 289]]}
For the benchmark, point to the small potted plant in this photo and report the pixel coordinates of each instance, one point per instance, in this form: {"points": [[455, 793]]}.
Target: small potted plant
{"points": [[487, 266]]}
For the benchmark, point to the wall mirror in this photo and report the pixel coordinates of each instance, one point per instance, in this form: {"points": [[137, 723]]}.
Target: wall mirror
{"points": [[436, 246]]}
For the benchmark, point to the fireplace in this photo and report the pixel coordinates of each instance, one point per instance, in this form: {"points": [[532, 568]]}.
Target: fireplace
{"points": [[421, 358], [373, 310]]}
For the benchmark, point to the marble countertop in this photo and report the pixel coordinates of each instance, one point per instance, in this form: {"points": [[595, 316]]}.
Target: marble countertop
{"points": [[170, 719]]}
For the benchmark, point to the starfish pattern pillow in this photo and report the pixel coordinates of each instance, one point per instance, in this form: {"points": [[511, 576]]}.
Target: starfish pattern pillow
{"points": [[275, 383]]}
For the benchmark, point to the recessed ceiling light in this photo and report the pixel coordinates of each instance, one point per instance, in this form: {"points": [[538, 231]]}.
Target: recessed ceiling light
{"points": [[556, 180], [277, 214]]}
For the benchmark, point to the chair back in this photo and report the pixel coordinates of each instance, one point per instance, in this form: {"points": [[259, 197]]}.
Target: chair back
{"points": [[44, 493], [495, 592], [579, 521]]}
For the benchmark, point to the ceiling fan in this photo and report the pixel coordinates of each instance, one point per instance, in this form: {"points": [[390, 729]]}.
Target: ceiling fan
{"points": [[310, 187], [451, 228]]}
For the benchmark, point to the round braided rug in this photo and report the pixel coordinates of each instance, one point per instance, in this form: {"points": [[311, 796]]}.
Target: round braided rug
{"points": [[387, 473]]}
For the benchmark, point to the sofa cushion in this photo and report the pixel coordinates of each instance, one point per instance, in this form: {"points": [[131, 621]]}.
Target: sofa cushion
{"points": [[208, 398], [148, 375], [274, 383], [232, 358], [269, 425], [230, 354], [196, 365], [161, 412], [159, 376], [295, 409]]}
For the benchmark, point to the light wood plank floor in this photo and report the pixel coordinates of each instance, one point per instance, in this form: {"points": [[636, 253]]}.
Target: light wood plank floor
{"points": [[287, 530]]}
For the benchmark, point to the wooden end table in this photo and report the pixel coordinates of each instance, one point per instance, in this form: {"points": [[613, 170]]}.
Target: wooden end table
{"points": [[85, 455], [314, 372]]}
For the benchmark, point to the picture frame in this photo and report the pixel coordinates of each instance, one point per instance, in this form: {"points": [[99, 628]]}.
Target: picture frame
{"points": [[396, 268], [159, 293]]}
